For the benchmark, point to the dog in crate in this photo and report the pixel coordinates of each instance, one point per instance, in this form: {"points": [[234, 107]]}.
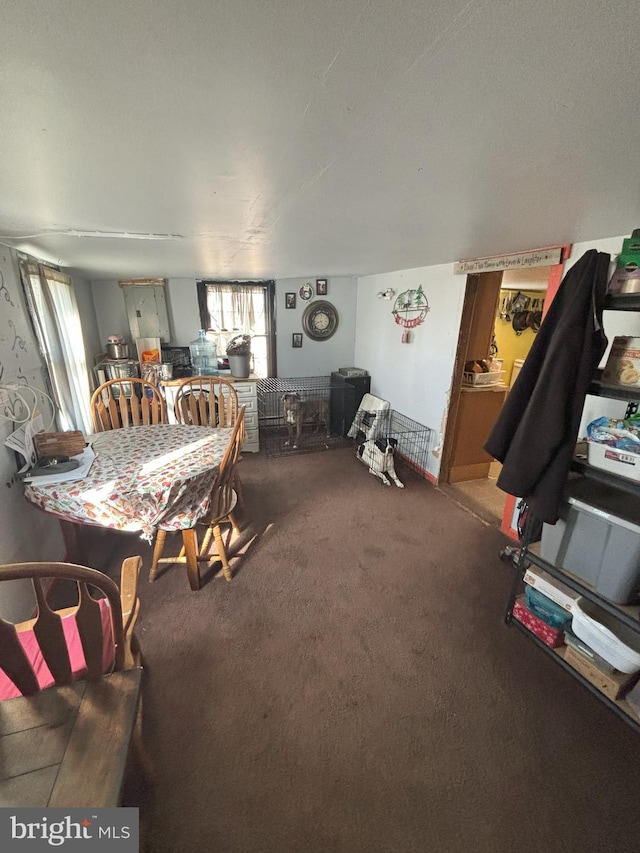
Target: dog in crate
{"points": [[377, 454], [298, 411]]}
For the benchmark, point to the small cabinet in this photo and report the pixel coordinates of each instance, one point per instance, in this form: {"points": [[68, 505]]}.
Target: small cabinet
{"points": [[147, 310]]}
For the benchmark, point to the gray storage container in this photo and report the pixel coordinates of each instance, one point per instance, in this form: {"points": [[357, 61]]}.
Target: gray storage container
{"points": [[598, 546]]}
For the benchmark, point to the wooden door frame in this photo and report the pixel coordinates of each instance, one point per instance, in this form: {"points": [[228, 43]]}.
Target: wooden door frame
{"points": [[466, 322], [469, 314]]}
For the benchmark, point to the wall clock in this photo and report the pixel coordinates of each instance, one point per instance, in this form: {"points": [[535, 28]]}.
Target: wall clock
{"points": [[320, 320], [306, 292]]}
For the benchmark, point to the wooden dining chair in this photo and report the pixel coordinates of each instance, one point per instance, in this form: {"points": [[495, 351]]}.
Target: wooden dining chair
{"points": [[127, 402], [91, 638], [84, 641], [209, 401], [206, 401], [221, 511]]}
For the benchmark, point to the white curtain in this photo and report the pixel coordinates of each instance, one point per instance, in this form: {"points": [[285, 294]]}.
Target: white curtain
{"points": [[53, 306], [236, 309]]}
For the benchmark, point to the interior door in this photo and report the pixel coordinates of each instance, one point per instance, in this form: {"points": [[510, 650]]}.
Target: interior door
{"points": [[474, 343]]}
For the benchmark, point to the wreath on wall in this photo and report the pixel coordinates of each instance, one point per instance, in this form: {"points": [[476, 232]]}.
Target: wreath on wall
{"points": [[410, 308]]}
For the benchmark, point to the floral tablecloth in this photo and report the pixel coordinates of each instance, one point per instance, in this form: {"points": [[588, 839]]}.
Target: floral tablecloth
{"points": [[142, 478]]}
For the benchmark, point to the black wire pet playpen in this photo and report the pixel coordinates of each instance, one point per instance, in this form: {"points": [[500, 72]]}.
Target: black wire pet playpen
{"points": [[328, 409], [319, 401]]}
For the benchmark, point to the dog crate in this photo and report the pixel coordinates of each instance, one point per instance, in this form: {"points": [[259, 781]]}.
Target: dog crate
{"points": [[411, 440], [316, 435]]}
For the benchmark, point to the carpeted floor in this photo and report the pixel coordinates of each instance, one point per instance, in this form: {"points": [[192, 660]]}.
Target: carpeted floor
{"points": [[354, 689]]}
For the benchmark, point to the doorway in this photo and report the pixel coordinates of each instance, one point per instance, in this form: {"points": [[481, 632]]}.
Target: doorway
{"points": [[501, 316]]}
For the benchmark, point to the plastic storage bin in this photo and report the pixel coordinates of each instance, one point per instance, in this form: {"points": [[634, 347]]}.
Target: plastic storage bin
{"points": [[587, 652], [553, 614], [618, 644], [601, 548], [620, 462]]}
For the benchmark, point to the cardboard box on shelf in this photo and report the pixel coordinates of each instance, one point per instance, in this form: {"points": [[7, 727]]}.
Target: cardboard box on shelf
{"points": [[552, 588], [614, 685], [623, 364]]}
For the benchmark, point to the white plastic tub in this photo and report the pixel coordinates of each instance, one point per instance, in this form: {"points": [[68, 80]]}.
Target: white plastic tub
{"points": [[607, 636], [620, 462], [492, 378]]}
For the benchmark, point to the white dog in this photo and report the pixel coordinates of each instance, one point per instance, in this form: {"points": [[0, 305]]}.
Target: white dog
{"points": [[378, 455]]}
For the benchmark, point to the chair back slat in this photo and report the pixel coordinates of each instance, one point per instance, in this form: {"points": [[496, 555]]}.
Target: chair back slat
{"points": [[89, 622], [222, 497], [14, 661], [51, 639], [205, 407], [206, 401], [123, 418], [129, 401], [226, 409]]}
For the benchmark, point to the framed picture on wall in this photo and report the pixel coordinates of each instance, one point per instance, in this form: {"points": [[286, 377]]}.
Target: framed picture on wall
{"points": [[296, 339], [321, 287], [290, 300]]}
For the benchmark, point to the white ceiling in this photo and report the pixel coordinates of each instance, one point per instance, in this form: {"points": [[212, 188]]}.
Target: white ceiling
{"points": [[289, 138]]}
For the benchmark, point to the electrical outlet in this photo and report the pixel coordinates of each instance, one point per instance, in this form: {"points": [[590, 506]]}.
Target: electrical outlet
{"points": [[4, 398]]}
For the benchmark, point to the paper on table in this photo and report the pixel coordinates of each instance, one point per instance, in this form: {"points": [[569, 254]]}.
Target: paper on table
{"points": [[21, 440], [86, 461]]}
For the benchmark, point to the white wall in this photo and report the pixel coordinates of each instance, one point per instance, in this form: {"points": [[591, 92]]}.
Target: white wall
{"points": [[414, 377]]}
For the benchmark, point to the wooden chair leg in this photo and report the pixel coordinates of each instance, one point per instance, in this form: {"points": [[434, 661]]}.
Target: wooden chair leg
{"points": [[190, 541], [234, 523], [204, 548], [158, 548], [237, 485], [222, 552]]}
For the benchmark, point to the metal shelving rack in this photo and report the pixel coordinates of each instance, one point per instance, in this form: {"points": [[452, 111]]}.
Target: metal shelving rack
{"points": [[525, 555]]}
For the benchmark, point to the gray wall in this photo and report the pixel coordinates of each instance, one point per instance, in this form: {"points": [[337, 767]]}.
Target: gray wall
{"points": [[313, 359]]}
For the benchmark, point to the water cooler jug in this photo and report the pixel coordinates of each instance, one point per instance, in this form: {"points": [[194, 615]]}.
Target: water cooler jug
{"points": [[204, 358]]}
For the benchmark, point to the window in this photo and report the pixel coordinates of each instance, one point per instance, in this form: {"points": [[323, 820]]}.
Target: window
{"points": [[56, 319], [230, 308]]}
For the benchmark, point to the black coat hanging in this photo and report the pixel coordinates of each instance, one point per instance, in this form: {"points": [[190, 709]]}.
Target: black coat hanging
{"points": [[535, 433]]}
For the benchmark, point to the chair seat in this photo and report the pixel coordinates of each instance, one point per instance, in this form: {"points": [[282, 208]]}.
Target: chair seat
{"points": [[31, 647]]}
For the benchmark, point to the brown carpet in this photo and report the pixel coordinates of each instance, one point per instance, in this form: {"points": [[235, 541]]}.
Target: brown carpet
{"points": [[354, 689]]}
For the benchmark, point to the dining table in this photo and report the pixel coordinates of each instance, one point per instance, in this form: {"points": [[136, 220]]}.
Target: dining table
{"points": [[67, 746], [142, 478]]}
